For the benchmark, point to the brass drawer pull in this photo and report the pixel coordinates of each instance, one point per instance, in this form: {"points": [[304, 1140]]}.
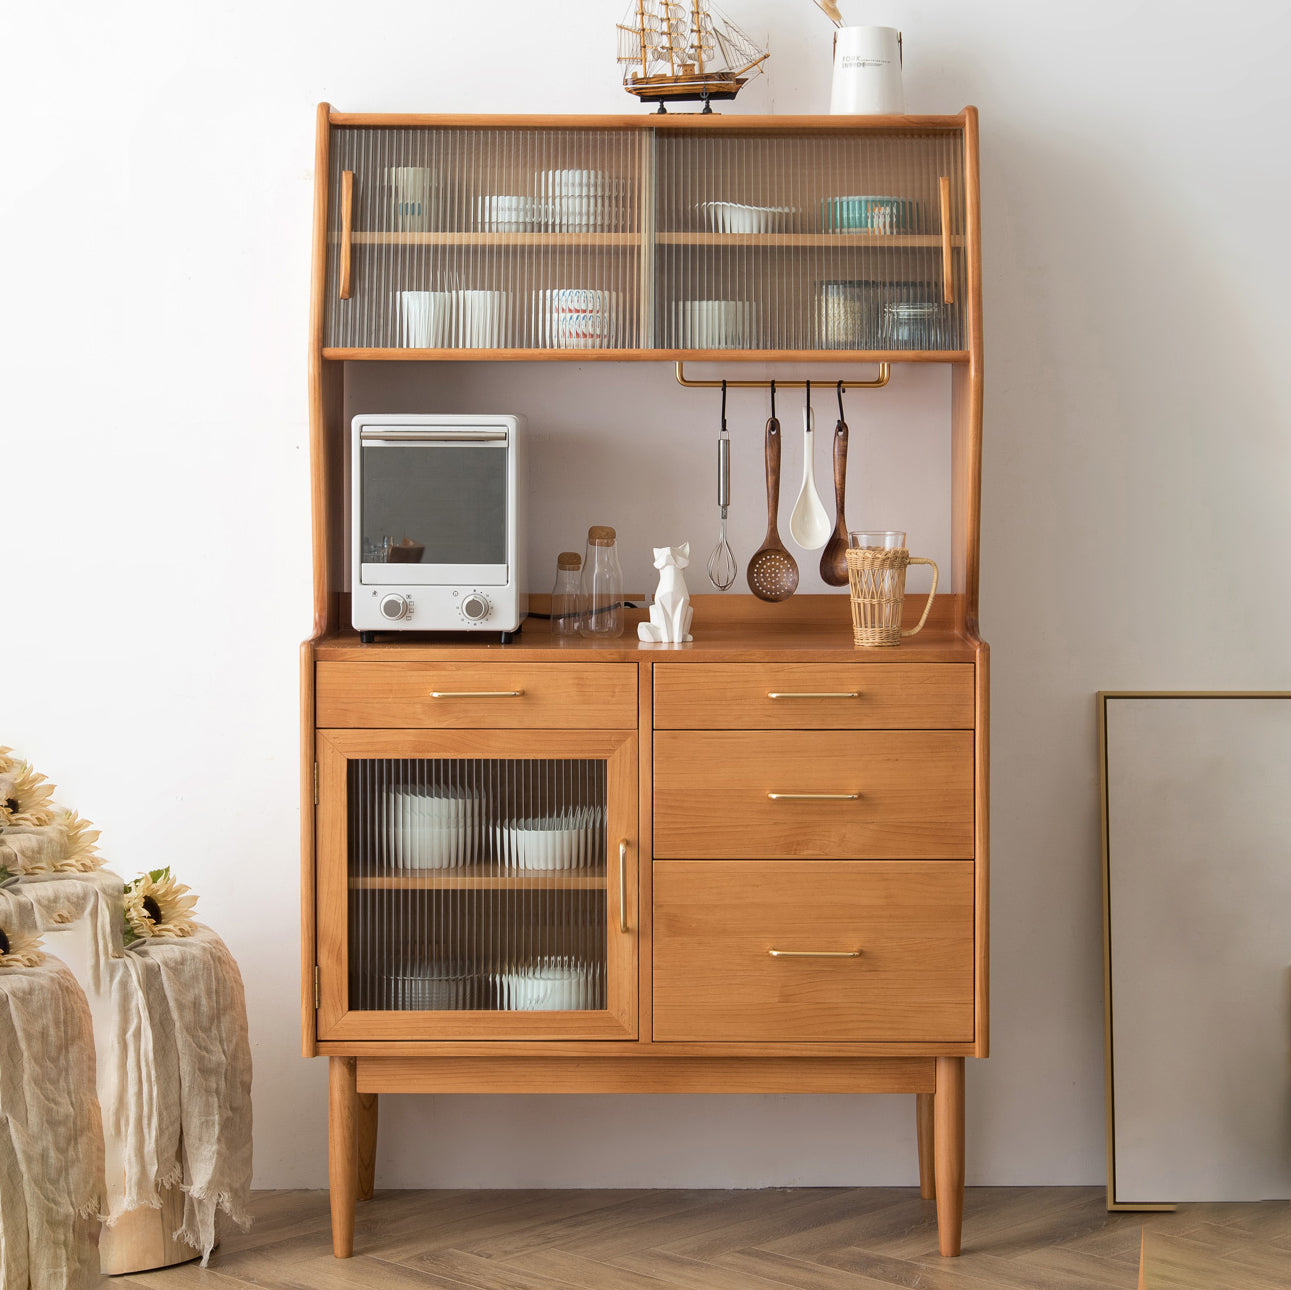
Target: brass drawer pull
{"points": [[813, 797], [815, 954], [808, 694], [476, 694], [623, 886]]}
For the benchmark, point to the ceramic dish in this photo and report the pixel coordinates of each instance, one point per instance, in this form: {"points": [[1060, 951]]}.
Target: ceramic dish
{"points": [[733, 217], [435, 987], [430, 828], [564, 841], [868, 214], [552, 984]]}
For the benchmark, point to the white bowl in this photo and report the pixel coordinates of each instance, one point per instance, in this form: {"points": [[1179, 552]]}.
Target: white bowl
{"points": [[735, 217], [556, 984], [430, 829], [564, 841]]}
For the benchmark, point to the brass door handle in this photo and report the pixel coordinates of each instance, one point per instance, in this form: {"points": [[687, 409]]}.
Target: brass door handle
{"points": [[808, 694], [476, 694], [815, 954], [947, 264], [813, 797], [623, 886], [347, 232]]}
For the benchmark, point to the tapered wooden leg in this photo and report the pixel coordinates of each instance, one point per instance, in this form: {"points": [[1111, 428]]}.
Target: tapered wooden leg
{"points": [[923, 1128], [948, 1152], [342, 1151], [367, 1145]]}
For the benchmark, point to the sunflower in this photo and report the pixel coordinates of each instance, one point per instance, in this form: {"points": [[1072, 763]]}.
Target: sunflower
{"points": [[18, 949], [157, 905], [24, 797], [81, 855]]}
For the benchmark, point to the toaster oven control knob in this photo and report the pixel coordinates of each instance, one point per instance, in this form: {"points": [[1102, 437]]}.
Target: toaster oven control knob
{"points": [[475, 608], [395, 607]]}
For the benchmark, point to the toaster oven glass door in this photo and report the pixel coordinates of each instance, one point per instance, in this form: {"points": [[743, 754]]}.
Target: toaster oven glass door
{"points": [[434, 512]]}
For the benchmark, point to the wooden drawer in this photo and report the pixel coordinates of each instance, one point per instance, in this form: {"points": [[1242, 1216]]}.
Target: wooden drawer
{"points": [[813, 696], [913, 794], [715, 925], [549, 696]]}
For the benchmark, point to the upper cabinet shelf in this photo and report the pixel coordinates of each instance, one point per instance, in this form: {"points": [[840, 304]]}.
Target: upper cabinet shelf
{"points": [[782, 236]]}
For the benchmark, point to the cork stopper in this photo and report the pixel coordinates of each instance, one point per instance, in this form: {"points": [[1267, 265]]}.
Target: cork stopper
{"points": [[601, 535], [569, 560]]}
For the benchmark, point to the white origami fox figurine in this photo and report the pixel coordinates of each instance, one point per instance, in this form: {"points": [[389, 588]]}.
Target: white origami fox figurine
{"points": [[671, 613]]}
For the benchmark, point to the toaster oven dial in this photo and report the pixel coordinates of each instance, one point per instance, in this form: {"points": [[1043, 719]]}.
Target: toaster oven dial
{"points": [[475, 608], [395, 607]]}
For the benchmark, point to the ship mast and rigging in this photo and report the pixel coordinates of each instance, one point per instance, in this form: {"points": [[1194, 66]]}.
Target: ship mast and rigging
{"points": [[670, 54]]}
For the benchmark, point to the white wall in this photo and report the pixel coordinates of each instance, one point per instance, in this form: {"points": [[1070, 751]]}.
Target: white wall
{"points": [[158, 184]]}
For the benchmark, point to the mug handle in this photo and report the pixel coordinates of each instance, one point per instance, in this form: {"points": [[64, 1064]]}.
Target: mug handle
{"points": [[918, 627]]}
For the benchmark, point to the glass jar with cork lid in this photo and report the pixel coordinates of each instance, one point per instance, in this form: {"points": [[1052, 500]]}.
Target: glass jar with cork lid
{"points": [[601, 598], [565, 609]]}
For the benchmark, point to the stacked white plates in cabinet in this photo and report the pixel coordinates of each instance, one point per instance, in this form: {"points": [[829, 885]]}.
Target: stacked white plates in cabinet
{"points": [[556, 983], [716, 324], [431, 828], [575, 318], [553, 842], [581, 200], [433, 987], [507, 213]]}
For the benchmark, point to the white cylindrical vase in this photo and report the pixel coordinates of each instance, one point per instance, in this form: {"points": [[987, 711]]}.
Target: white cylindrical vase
{"points": [[867, 72]]}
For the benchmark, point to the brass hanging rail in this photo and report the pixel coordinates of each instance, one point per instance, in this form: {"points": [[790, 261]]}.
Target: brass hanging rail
{"points": [[885, 373]]}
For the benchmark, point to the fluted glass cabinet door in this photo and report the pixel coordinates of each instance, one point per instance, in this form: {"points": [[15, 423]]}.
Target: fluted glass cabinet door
{"points": [[838, 240], [477, 885], [485, 239]]}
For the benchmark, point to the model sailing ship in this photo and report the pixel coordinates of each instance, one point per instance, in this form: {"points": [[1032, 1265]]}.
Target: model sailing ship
{"points": [[675, 54]]}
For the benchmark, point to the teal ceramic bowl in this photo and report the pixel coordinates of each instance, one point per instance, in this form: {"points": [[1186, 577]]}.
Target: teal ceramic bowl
{"points": [[868, 214]]}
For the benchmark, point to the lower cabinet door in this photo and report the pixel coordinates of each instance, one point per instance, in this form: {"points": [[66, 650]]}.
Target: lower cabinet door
{"points": [[808, 950], [477, 885]]}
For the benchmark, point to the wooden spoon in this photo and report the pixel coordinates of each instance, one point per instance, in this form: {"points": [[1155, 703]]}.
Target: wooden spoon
{"points": [[833, 560], [773, 572]]}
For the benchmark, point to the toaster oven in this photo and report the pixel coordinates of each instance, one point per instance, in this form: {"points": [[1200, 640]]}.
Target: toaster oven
{"points": [[436, 523]]}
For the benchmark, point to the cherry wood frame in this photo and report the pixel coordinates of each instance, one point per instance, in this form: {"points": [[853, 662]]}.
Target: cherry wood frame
{"points": [[735, 630]]}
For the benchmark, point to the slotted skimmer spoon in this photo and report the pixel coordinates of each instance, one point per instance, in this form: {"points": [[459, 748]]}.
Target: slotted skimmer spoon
{"points": [[722, 569], [773, 572], [809, 525]]}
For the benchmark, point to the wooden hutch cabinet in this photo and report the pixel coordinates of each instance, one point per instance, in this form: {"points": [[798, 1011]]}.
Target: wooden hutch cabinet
{"points": [[752, 863]]}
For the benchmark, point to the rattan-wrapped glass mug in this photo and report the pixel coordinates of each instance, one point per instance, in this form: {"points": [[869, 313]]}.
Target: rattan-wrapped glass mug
{"points": [[876, 565]]}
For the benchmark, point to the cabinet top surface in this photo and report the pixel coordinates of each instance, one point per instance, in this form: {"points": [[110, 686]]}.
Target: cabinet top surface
{"points": [[726, 629], [671, 121]]}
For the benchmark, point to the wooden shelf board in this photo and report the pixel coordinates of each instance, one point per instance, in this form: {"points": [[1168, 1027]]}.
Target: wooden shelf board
{"points": [[627, 240], [647, 355], [835, 241], [480, 877]]}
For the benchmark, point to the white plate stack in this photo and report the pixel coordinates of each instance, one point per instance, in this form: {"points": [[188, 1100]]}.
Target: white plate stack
{"points": [[581, 201], [431, 987], [575, 318], [431, 828], [716, 324]]}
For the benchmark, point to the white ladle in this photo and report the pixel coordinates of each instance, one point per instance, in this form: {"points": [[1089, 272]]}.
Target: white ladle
{"points": [[809, 524]]}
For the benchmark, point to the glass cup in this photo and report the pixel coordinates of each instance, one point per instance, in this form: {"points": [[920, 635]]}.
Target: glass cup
{"points": [[876, 539], [877, 560]]}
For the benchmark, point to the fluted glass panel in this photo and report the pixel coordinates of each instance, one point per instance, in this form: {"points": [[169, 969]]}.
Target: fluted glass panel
{"points": [[487, 239], [477, 885], [808, 241]]}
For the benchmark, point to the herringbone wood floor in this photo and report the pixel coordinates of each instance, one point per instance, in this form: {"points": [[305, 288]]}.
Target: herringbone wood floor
{"points": [[1015, 1238]]}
